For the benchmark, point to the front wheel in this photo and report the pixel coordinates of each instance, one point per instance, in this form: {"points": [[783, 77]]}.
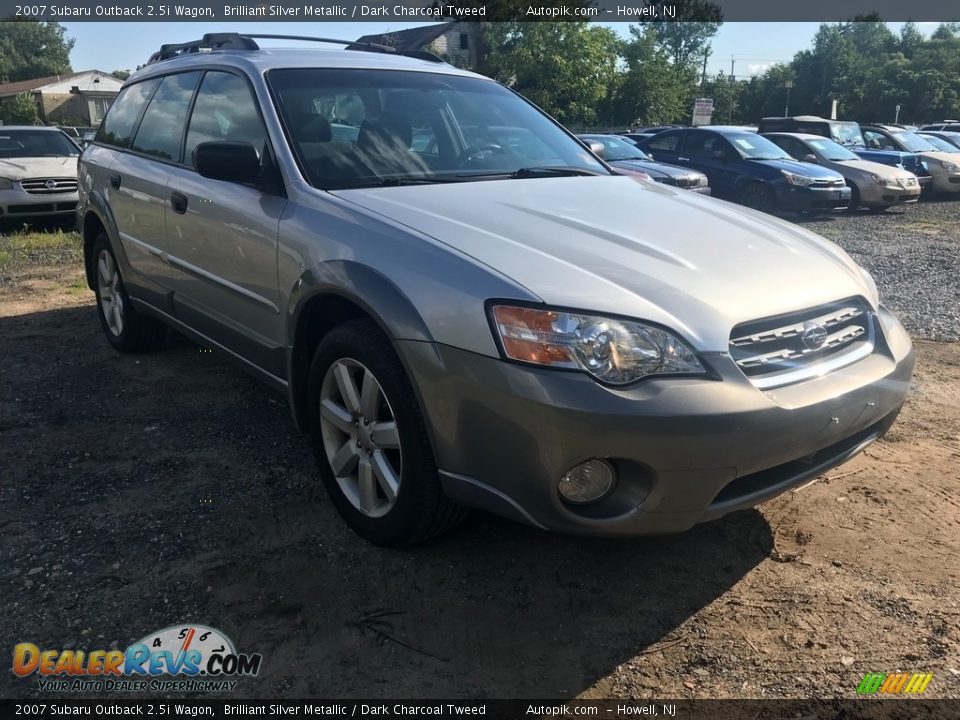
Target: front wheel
{"points": [[854, 196], [370, 442], [125, 328], [758, 196]]}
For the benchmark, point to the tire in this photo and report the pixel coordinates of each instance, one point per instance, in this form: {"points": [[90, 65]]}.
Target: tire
{"points": [[758, 196], [357, 388], [854, 197], [126, 329]]}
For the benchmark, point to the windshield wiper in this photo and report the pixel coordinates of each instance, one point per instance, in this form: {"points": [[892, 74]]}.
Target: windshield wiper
{"points": [[531, 172]]}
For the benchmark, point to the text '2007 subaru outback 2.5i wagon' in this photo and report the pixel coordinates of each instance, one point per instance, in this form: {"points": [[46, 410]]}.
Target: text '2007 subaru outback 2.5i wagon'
{"points": [[460, 320]]}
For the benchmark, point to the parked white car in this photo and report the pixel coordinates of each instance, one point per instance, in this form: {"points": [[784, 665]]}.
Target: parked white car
{"points": [[38, 173]]}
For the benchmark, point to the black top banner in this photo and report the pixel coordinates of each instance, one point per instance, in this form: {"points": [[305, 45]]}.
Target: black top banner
{"points": [[475, 10]]}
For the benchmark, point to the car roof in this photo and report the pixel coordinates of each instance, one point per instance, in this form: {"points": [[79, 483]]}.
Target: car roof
{"points": [[256, 62], [43, 128], [799, 136], [724, 129]]}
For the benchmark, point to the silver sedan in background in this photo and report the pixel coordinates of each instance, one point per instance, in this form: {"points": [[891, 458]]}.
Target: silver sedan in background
{"points": [[873, 185]]}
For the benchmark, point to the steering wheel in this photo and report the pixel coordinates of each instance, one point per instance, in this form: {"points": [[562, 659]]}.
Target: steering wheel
{"points": [[475, 150]]}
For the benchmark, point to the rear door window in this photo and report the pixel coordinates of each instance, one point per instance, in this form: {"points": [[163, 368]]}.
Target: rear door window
{"points": [[121, 121], [161, 130], [665, 142]]}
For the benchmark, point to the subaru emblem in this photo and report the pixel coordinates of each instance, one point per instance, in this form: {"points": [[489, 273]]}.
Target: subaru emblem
{"points": [[814, 336]]}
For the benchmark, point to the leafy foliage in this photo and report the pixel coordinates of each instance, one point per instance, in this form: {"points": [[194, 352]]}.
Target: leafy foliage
{"points": [[31, 49], [564, 67], [21, 109]]}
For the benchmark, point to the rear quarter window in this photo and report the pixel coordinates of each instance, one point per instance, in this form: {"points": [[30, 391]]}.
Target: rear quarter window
{"points": [[665, 142]]}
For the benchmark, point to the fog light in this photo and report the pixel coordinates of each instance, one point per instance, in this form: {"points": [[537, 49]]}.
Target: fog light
{"points": [[587, 482]]}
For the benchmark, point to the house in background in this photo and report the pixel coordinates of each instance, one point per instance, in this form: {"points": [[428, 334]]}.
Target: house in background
{"points": [[76, 99], [458, 43]]}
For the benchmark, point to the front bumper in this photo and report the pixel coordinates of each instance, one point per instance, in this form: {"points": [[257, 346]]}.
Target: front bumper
{"points": [[944, 182], [873, 195], [794, 197], [17, 203], [686, 450]]}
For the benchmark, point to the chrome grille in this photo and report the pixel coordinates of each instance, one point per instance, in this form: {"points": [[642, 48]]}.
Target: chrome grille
{"points": [[789, 348], [834, 182], [49, 186], [910, 182]]}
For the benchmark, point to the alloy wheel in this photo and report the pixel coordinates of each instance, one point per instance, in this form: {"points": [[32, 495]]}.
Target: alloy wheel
{"points": [[360, 437], [108, 287]]}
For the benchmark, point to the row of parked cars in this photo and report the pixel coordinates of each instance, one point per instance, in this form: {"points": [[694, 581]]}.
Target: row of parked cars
{"points": [[804, 164]]}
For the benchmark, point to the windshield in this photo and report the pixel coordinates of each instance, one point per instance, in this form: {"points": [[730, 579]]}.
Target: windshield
{"points": [[361, 128], [753, 147], [913, 142], [847, 134], [831, 150], [618, 148], [35, 143], [940, 143]]}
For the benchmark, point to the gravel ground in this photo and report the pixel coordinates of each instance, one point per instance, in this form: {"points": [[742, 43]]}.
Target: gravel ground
{"points": [[914, 256]]}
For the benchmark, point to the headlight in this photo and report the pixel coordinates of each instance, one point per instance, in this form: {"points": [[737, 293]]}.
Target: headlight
{"points": [[613, 351], [885, 181], [795, 179], [5, 184], [949, 166]]}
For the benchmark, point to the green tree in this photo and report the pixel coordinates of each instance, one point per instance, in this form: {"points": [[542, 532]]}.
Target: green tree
{"points": [[566, 68], [686, 38], [21, 109], [121, 74], [649, 89], [30, 49]]}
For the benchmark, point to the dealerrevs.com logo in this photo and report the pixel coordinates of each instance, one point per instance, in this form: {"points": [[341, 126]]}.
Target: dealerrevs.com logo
{"points": [[177, 658]]}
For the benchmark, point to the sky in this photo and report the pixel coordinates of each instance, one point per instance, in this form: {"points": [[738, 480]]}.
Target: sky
{"points": [[122, 46]]}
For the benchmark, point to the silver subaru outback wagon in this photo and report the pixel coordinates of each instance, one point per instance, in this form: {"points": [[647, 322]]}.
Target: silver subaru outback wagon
{"points": [[468, 309]]}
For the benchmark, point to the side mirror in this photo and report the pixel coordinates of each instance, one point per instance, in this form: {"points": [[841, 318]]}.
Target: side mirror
{"points": [[231, 161], [810, 158], [719, 155], [597, 148]]}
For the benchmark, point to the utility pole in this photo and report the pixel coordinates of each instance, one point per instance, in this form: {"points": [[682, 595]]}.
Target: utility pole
{"points": [[733, 94], [703, 75], [788, 84]]}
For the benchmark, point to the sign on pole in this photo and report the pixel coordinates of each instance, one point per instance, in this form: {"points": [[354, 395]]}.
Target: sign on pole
{"points": [[702, 111]]}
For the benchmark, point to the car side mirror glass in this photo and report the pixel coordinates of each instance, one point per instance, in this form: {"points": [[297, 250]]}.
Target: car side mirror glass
{"points": [[231, 161], [719, 155], [810, 158]]}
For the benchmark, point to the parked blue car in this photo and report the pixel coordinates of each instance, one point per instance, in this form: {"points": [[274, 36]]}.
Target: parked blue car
{"points": [[749, 169]]}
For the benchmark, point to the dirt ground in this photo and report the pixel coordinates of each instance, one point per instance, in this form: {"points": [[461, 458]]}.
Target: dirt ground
{"points": [[142, 492]]}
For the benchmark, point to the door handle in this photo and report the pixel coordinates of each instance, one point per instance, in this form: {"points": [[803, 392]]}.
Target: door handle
{"points": [[682, 159], [115, 181], [179, 202]]}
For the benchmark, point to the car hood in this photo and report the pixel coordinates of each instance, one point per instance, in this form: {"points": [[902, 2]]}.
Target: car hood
{"points": [[799, 167], [613, 245], [38, 167], [941, 157], [654, 167], [867, 167]]}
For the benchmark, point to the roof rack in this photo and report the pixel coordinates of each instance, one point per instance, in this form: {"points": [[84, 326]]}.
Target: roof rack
{"points": [[247, 41]]}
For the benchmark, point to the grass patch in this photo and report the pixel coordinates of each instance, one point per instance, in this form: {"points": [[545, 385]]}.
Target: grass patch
{"points": [[31, 248]]}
